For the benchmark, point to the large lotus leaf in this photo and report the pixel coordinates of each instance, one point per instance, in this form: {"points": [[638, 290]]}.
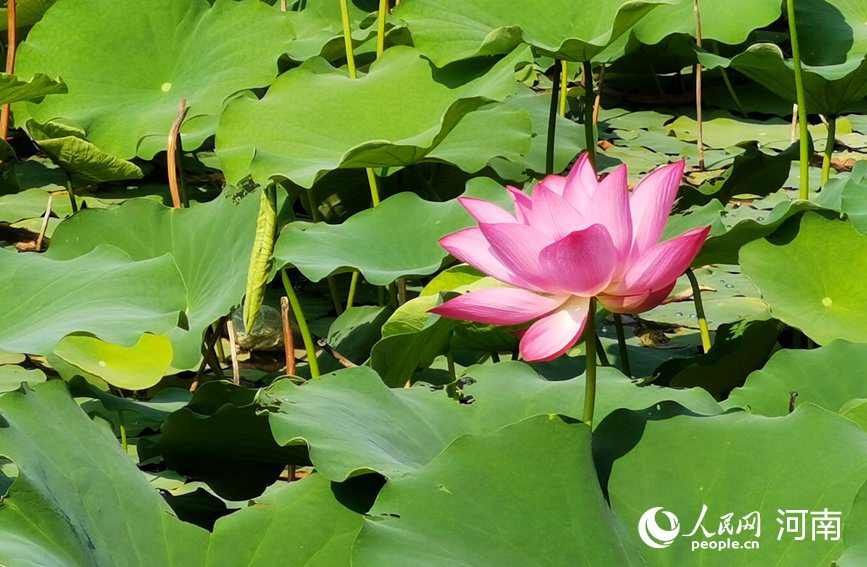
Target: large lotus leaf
{"points": [[827, 90], [828, 376], [397, 238], [78, 499], [103, 292], [734, 464], [725, 21], [347, 418], [13, 89], [12, 376], [471, 506], [810, 284], [299, 523], [450, 30], [142, 58], [315, 118], [209, 245]]}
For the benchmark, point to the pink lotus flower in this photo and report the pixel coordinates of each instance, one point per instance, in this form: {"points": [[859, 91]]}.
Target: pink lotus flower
{"points": [[576, 238]]}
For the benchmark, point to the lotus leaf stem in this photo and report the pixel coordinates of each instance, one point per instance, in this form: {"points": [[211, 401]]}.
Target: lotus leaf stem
{"points": [[699, 311], [829, 149], [621, 344], [589, 101], [802, 105], [699, 139], [11, 45], [288, 337], [174, 159], [236, 371], [71, 191], [380, 27], [552, 116], [306, 337], [564, 84]]}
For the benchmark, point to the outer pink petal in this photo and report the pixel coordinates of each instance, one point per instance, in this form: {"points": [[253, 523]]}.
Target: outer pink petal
{"points": [[635, 303], [522, 201], [517, 247], [609, 206], [651, 203], [661, 265], [499, 306], [556, 183], [553, 335], [485, 211], [552, 215], [470, 246], [582, 263], [581, 183]]}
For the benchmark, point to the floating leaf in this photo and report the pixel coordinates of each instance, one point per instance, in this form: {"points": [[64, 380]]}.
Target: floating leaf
{"points": [[11, 377], [810, 283], [315, 119], [142, 57]]}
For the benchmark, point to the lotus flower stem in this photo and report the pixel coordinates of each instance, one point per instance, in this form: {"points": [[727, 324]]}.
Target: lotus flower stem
{"points": [[802, 105], [552, 116], [564, 84], [590, 371], [71, 191], [11, 29], [699, 311], [380, 27], [589, 101], [306, 337], [829, 149], [621, 344], [699, 140], [288, 337]]}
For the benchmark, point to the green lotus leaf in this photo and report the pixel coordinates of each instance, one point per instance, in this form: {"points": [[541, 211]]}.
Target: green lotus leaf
{"points": [[809, 284], [853, 196], [208, 245], [442, 514], [355, 412], [81, 158], [722, 130], [725, 21], [137, 367], [12, 376], [397, 238], [319, 30], [59, 511], [451, 30], [103, 292], [13, 89], [315, 118], [828, 376], [735, 464], [78, 499], [142, 58]]}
